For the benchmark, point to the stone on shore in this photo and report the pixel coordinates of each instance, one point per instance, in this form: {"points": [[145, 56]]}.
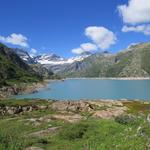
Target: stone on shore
{"points": [[69, 118], [46, 132], [34, 148]]}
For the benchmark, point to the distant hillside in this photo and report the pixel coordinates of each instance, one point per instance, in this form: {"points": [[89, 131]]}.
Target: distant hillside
{"points": [[13, 69], [42, 71], [132, 62]]}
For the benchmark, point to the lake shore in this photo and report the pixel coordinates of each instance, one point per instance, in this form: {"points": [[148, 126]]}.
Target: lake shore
{"points": [[67, 105], [76, 89], [120, 78], [8, 91]]}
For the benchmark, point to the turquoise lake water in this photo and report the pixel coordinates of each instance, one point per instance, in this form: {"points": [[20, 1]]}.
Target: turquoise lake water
{"points": [[76, 89]]}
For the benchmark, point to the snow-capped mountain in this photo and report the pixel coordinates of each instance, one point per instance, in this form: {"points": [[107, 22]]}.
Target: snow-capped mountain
{"points": [[24, 56], [49, 59], [53, 59]]}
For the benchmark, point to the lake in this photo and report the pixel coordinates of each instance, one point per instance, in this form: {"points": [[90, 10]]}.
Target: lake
{"points": [[76, 89]]}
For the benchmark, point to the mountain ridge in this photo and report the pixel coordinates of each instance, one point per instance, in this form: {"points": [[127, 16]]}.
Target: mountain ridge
{"points": [[132, 62], [13, 69]]}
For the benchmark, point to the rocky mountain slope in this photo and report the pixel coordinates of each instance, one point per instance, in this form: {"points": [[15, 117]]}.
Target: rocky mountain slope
{"points": [[13, 69], [59, 64], [42, 71], [132, 62], [52, 62], [53, 59], [24, 56]]}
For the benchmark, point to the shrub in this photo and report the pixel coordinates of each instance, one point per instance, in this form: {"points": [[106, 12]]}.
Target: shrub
{"points": [[74, 131], [145, 130], [8, 142], [125, 119]]}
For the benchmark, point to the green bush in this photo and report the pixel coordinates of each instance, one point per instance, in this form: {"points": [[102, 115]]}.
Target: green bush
{"points": [[125, 119], [10, 142], [74, 131], [145, 130]]}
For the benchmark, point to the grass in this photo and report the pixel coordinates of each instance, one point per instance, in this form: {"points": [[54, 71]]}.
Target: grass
{"points": [[136, 107], [92, 134], [98, 134], [25, 102]]}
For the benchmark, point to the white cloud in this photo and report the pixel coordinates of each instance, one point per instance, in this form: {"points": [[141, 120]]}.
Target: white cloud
{"points": [[77, 51], [88, 47], [101, 36], [139, 28], [15, 39], [137, 11], [85, 47], [137, 14]]}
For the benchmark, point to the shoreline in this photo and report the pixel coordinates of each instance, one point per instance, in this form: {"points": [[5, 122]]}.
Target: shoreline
{"points": [[7, 92], [105, 78]]}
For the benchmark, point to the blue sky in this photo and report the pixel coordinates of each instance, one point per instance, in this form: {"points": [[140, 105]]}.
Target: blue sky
{"points": [[59, 26]]}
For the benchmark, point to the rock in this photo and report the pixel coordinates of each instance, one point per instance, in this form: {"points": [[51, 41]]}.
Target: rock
{"points": [[34, 91], [46, 132], [42, 107], [36, 123], [46, 118], [39, 121], [71, 106], [107, 103], [34, 148], [18, 110], [32, 119], [2, 112], [30, 109], [60, 106], [138, 129], [146, 103], [148, 117], [10, 112], [25, 109], [69, 118], [107, 114]]}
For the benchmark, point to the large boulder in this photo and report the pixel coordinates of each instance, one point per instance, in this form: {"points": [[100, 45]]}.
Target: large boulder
{"points": [[68, 118], [71, 106]]}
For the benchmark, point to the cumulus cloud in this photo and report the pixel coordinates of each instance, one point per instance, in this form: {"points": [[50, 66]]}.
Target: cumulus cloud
{"points": [[88, 47], [85, 47], [77, 50], [137, 11], [15, 39], [101, 36], [136, 16], [139, 28]]}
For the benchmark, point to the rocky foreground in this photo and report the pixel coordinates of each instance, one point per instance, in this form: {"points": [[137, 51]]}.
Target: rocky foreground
{"points": [[8, 91], [102, 109], [49, 124]]}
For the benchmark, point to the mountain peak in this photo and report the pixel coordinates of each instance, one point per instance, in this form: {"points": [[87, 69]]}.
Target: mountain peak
{"points": [[24, 55]]}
